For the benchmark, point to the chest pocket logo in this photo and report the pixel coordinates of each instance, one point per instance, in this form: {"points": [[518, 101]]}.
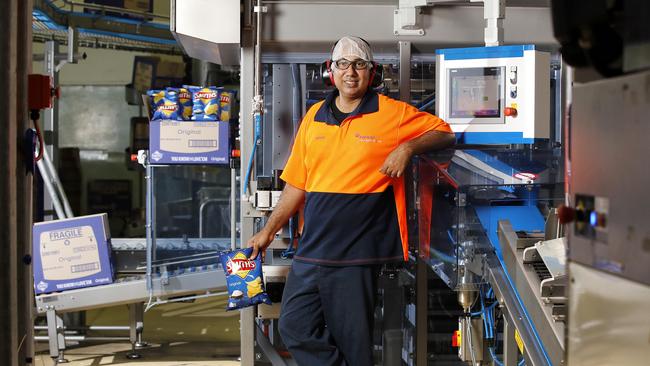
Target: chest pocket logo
{"points": [[369, 139]]}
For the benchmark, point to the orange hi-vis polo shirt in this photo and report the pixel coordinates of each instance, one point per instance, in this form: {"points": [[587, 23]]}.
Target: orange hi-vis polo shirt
{"points": [[354, 214]]}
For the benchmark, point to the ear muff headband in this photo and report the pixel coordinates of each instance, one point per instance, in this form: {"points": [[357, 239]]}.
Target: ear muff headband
{"points": [[328, 75]]}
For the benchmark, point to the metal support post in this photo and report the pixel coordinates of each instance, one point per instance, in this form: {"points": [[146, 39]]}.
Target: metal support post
{"points": [[55, 331], [393, 295], [268, 349], [421, 313], [405, 71], [233, 208], [149, 225], [50, 119], [246, 145], [136, 326], [509, 344]]}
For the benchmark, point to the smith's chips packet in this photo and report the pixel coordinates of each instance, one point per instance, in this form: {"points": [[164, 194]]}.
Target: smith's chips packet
{"points": [[167, 108], [185, 103], [156, 98], [226, 98], [244, 279], [205, 103]]}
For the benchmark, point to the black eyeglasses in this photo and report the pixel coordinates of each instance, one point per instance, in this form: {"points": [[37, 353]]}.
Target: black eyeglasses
{"points": [[344, 64]]}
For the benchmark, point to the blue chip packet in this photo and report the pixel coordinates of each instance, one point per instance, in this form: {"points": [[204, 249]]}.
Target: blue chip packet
{"points": [[167, 108], [185, 103], [244, 279], [226, 99], [156, 98], [205, 103]]}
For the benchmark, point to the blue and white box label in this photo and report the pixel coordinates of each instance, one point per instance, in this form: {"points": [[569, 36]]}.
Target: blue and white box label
{"points": [[71, 253], [183, 142]]}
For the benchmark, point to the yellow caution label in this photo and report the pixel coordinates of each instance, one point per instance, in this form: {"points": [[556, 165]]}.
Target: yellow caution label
{"points": [[520, 343]]}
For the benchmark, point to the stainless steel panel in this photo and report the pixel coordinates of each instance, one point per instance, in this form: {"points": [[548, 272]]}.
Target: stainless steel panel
{"points": [[609, 319], [609, 152], [192, 24], [95, 118], [527, 285], [281, 128], [307, 26]]}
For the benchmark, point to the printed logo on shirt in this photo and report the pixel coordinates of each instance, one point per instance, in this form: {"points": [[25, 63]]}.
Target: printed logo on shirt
{"points": [[367, 138], [319, 137]]}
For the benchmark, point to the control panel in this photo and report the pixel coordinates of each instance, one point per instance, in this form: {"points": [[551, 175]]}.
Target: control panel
{"points": [[494, 95]]}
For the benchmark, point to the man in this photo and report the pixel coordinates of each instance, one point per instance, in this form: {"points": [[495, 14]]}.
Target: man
{"points": [[346, 166]]}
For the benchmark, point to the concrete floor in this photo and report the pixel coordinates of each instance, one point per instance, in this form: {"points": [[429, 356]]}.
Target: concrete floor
{"points": [[201, 333]]}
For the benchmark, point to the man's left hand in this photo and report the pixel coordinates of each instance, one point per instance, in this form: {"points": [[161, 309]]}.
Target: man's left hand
{"points": [[397, 161]]}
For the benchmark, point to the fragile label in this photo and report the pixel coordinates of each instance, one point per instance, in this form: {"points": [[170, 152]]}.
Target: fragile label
{"points": [[69, 253]]}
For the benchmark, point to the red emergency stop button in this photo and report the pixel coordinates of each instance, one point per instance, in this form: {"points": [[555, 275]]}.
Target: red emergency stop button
{"points": [[455, 339], [566, 214], [510, 112]]}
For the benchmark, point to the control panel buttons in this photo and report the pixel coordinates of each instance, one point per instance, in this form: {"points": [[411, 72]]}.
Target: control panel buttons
{"points": [[513, 74], [510, 112]]}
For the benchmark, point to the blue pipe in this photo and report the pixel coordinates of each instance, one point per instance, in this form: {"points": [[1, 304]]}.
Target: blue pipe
{"points": [[258, 136], [426, 105]]}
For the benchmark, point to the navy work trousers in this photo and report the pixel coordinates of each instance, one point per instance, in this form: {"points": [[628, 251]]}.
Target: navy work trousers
{"points": [[327, 314]]}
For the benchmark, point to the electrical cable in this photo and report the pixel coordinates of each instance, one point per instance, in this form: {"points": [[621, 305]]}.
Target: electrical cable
{"points": [[35, 115], [469, 338], [494, 357], [426, 105], [249, 168], [488, 313], [426, 101]]}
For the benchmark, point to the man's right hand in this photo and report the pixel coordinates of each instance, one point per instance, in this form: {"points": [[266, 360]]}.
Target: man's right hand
{"points": [[259, 242]]}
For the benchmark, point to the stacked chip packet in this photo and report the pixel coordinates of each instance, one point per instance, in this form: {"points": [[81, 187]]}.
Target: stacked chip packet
{"points": [[191, 103]]}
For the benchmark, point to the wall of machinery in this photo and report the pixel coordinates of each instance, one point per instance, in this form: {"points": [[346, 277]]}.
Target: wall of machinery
{"points": [[521, 250]]}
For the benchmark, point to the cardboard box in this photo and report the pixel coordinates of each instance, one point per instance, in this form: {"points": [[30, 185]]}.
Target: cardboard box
{"points": [[170, 69], [71, 253], [189, 142], [142, 5]]}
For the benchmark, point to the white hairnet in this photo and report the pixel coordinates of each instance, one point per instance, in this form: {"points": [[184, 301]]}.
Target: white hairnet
{"points": [[351, 48]]}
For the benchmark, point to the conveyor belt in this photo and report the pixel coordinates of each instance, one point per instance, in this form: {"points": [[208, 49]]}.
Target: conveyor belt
{"points": [[193, 280]]}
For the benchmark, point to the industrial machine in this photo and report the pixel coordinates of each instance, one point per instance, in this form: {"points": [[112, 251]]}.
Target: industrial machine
{"points": [[609, 276], [486, 211], [494, 95], [482, 224], [178, 260], [605, 215], [488, 246]]}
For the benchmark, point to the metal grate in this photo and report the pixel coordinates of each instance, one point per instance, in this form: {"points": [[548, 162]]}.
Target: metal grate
{"points": [[541, 270]]}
